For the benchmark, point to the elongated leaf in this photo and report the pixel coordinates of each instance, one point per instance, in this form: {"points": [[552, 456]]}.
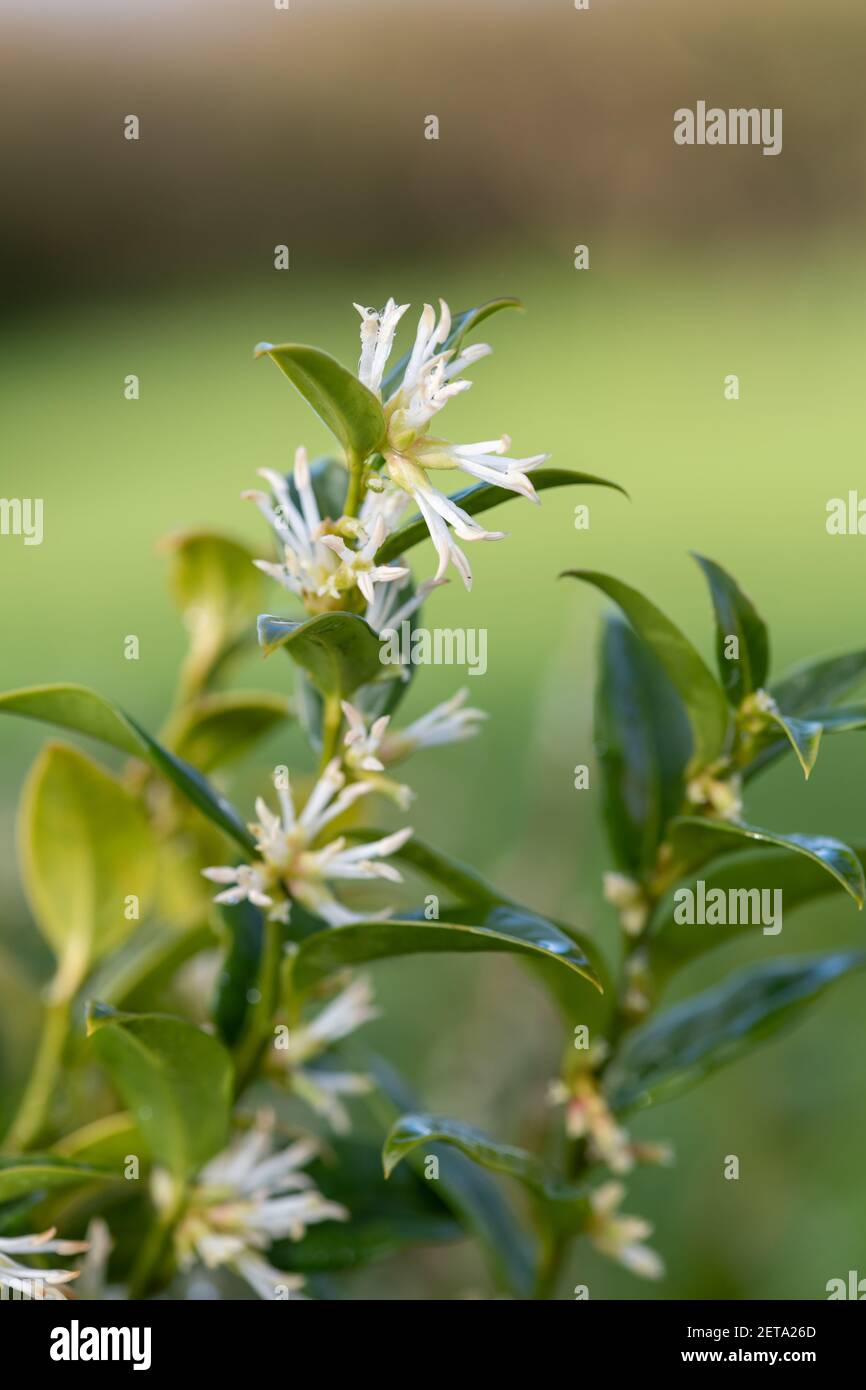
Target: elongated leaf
{"points": [[350, 411], [340, 651], [76, 707], [384, 1218], [503, 930], [696, 841], [846, 720], [411, 1130], [42, 1172], [686, 1043], [642, 742], [736, 616], [471, 1192], [818, 683], [106, 1142], [86, 846], [461, 325], [800, 880], [175, 1080], [804, 736], [700, 692], [219, 728], [480, 498]]}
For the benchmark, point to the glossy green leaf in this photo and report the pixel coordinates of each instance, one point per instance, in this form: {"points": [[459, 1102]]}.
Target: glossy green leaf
{"points": [[384, 1218], [461, 325], [86, 846], [804, 736], [697, 840], [472, 1193], [76, 707], [223, 726], [106, 1142], [683, 1045], [736, 616], [818, 683], [351, 411], [643, 743], [20, 1175], [339, 651], [700, 692], [845, 720], [799, 879], [480, 498], [175, 1080], [411, 1130], [504, 929]]}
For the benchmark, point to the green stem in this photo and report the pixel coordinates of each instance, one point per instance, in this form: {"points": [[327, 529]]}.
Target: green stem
{"points": [[152, 1252], [259, 1030], [29, 1119], [355, 491], [332, 724]]}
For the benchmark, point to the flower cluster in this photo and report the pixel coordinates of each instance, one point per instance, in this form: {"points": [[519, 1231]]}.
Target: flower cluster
{"points": [[244, 1200]]}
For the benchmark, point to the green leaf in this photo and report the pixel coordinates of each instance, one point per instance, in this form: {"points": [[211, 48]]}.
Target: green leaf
{"points": [[480, 497], [175, 1079], [340, 651], [817, 683], [414, 1129], [846, 720], [76, 707], [696, 840], [697, 687], [504, 929], [219, 728], [40, 1172], [86, 846], [461, 325], [804, 736], [736, 616], [468, 1190], [350, 411], [643, 744], [384, 1217], [799, 879], [689, 1041], [218, 590]]}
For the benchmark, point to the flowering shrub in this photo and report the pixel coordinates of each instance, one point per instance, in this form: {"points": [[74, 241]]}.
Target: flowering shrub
{"points": [[198, 1108]]}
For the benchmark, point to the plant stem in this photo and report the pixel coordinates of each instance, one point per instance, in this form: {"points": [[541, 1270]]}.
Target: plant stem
{"points": [[332, 723], [356, 478], [259, 1028], [152, 1251], [30, 1117]]}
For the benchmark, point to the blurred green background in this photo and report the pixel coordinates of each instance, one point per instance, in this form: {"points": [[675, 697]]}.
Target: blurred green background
{"points": [[156, 258]]}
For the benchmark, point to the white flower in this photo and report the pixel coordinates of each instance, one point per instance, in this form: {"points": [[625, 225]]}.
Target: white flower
{"points": [[246, 1198], [427, 385], [32, 1282], [301, 1043], [290, 867], [449, 722], [622, 1237], [587, 1116], [318, 565]]}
